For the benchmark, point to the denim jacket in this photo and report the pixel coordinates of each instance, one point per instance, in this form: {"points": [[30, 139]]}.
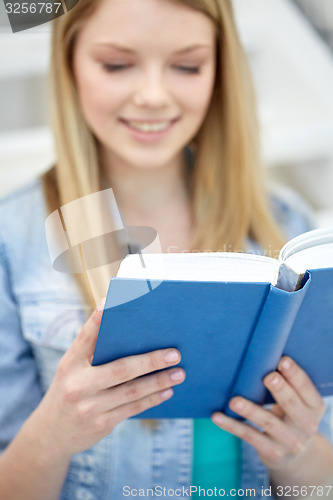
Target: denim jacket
{"points": [[41, 312]]}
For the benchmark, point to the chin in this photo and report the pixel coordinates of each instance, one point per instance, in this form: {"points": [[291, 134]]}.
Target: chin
{"points": [[149, 160], [144, 165]]}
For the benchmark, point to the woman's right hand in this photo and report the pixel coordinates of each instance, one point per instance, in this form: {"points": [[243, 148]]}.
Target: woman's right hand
{"points": [[84, 403]]}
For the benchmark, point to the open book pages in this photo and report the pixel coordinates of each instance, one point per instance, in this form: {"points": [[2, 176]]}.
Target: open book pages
{"points": [[203, 266], [310, 250]]}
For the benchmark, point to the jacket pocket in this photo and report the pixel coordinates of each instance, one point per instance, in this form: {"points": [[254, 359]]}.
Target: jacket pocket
{"points": [[51, 321], [49, 324]]}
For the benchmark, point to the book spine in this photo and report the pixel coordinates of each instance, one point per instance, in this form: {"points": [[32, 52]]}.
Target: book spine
{"points": [[267, 343]]}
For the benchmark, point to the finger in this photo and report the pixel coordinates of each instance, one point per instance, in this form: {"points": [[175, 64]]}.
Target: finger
{"points": [[84, 344], [128, 410], [277, 429], [138, 389], [264, 444], [128, 368], [301, 382], [290, 402], [277, 411]]}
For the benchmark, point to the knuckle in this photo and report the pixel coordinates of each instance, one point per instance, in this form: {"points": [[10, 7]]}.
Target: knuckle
{"points": [[119, 370], [269, 424], [72, 392], [162, 381], [154, 362], [137, 407], [132, 392], [84, 410]]}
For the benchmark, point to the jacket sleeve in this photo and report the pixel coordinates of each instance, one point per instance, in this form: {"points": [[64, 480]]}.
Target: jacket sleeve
{"points": [[20, 391], [291, 212]]}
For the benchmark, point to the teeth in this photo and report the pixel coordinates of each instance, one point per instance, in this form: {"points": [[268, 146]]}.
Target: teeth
{"points": [[149, 127]]}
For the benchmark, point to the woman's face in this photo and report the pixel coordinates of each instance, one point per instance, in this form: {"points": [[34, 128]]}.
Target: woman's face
{"points": [[145, 72]]}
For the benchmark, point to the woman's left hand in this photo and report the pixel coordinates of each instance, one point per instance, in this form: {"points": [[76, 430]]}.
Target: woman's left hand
{"points": [[289, 426]]}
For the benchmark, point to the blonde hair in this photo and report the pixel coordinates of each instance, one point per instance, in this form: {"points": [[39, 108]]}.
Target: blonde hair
{"points": [[228, 197]]}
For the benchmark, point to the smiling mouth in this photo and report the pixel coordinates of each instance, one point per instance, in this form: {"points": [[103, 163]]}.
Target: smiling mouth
{"points": [[149, 126]]}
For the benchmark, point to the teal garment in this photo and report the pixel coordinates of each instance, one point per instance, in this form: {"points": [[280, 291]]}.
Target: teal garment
{"points": [[216, 458]]}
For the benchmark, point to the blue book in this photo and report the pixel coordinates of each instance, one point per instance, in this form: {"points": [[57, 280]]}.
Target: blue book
{"points": [[231, 316]]}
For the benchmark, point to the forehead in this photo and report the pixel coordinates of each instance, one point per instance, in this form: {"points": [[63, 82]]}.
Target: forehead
{"points": [[148, 24]]}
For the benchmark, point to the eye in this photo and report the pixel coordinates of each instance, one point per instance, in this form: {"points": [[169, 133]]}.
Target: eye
{"points": [[115, 67], [190, 69]]}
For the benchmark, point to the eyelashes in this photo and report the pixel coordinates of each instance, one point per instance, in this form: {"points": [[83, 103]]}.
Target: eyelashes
{"points": [[110, 68], [113, 68], [194, 70]]}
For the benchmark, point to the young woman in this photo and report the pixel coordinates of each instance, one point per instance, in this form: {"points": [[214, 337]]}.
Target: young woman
{"points": [[152, 98]]}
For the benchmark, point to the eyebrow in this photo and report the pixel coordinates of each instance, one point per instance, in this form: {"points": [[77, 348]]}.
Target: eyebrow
{"points": [[128, 50]]}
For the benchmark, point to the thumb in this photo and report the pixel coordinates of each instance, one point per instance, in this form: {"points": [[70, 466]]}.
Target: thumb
{"points": [[86, 339]]}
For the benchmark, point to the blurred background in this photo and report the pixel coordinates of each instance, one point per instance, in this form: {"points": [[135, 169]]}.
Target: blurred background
{"points": [[289, 44]]}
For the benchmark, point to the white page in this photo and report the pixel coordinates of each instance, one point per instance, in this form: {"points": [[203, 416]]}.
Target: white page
{"points": [[310, 239], [311, 258], [203, 266], [310, 250]]}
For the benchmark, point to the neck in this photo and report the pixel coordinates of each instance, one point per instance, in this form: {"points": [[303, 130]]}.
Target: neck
{"points": [[146, 192]]}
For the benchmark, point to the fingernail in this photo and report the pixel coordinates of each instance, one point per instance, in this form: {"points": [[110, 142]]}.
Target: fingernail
{"points": [[285, 365], [237, 405], [166, 394], [218, 419], [177, 375], [171, 356], [101, 305], [274, 380]]}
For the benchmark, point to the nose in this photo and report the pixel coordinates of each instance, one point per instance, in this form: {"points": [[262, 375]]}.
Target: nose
{"points": [[151, 90]]}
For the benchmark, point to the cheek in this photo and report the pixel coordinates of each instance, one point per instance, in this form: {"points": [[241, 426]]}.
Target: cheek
{"points": [[196, 96], [98, 98]]}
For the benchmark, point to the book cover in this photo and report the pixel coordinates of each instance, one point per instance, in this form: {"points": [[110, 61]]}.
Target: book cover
{"points": [[230, 336]]}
